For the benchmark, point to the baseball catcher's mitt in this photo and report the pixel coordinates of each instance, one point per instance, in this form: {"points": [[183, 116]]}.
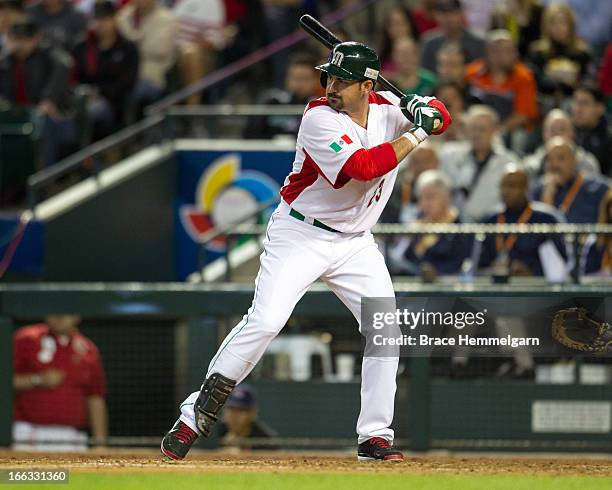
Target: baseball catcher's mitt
{"points": [[573, 328]]}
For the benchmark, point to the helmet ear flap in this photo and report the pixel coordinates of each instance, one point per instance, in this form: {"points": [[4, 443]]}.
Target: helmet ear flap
{"points": [[323, 79]]}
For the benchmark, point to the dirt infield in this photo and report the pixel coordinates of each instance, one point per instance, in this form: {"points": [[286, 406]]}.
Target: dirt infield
{"points": [[215, 462]]}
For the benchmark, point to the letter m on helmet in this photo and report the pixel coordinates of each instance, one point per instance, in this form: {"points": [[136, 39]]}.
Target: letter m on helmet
{"points": [[337, 57], [351, 61]]}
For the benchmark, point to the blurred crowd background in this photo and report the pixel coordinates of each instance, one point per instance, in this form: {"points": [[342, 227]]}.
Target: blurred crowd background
{"points": [[527, 82]]}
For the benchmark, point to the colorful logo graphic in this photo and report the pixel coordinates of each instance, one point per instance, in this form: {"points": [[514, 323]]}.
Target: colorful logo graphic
{"points": [[225, 194]]}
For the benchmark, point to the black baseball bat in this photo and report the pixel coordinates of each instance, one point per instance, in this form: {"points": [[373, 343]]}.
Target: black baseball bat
{"points": [[317, 30]]}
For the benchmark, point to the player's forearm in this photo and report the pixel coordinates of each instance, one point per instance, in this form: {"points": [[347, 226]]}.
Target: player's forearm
{"points": [[98, 418], [403, 146]]}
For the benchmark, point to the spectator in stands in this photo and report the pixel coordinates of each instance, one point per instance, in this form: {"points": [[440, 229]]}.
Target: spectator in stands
{"points": [[522, 255], [409, 76], [523, 18], [450, 65], [454, 99], [240, 421], [577, 195], [592, 128], [476, 166], [431, 255], [560, 57], [593, 21], [302, 85], [424, 16], [60, 22], [558, 123], [477, 14], [213, 33], [37, 77], [402, 206], [109, 63], [504, 83], [60, 387], [280, 18], [153, 28], [596, 256], [10, 11], [397, 24], [452, 28]]}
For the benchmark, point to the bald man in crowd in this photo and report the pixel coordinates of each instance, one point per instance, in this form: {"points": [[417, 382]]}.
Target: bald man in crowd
{"points": [[520, 254], [574, 193], [476, 166], [558, 123]]}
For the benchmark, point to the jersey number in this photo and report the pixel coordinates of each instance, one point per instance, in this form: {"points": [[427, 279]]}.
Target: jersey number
{"points": [[377, 193]]}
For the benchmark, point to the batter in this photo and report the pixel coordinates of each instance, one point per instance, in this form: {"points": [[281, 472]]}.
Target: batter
{"points": [[347, 153]]}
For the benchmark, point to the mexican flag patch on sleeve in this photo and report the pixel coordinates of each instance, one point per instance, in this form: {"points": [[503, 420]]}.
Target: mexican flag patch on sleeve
{"points": [[338, 145]]}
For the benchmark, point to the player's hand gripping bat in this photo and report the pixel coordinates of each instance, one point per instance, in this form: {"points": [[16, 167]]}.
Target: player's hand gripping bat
{"points": [[321, 33]]}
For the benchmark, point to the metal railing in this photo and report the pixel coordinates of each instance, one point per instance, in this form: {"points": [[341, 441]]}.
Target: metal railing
{"points": [[238, 110], [85, 156], [572, 232], [163, 121]]}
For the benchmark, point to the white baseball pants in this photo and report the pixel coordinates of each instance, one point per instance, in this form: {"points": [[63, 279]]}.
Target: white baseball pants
{"points": [[295, 255]]}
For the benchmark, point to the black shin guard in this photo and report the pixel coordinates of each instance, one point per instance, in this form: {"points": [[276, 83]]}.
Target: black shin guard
{"points": [[213, 395]]}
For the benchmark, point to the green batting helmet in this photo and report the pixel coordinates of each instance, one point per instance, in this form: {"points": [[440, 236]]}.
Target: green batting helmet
{"points": [[351, 61]]}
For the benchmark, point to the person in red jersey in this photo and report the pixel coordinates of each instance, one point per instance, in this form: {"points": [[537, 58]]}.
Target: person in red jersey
{"points": [[60, 387]]}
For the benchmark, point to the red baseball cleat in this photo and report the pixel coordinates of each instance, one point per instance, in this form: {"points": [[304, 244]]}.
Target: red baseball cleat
{"points": [[378, 449], [177, 442]]}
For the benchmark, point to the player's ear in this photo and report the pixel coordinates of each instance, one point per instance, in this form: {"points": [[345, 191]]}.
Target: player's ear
{"points": [[367, 86]]}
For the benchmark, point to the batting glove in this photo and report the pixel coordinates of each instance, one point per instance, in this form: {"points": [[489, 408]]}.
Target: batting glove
{"points": [[426, 117], [424, 120], [411, 103]]}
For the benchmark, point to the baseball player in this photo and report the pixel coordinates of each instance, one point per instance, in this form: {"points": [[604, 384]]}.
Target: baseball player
{"points": [[348, 149]]}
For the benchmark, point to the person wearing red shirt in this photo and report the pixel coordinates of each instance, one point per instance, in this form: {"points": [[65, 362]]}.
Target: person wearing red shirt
{"points": [[60, 387]]}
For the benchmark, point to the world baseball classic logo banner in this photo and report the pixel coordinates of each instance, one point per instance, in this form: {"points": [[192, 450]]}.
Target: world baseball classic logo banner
{"points": [[487, 326], [217, 187]]}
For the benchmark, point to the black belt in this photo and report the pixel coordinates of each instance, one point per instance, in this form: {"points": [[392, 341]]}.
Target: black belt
{"points": [[316, 222]]}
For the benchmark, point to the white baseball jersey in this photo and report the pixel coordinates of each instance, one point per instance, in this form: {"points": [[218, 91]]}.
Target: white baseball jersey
{"points": [[318, 188]]}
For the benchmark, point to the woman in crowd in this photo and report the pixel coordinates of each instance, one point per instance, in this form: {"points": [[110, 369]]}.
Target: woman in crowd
{"points": [[561, 59]]}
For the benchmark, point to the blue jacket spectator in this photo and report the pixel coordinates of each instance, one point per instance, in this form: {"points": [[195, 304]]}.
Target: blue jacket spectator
{"points": [[576, 195], [437, 254], [521, 251]]}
